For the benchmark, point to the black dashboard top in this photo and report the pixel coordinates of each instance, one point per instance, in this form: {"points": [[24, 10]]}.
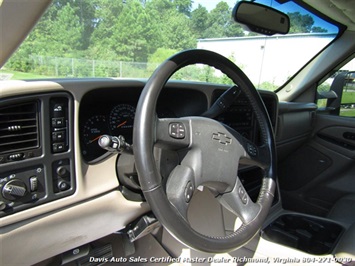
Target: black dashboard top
{"points": [[111, 111]]}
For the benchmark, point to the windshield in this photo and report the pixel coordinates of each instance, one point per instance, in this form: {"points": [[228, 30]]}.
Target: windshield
{"points": [[130, 38]]}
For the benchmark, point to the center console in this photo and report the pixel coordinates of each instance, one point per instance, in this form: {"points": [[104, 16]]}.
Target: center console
{"points": [[310, 234]]}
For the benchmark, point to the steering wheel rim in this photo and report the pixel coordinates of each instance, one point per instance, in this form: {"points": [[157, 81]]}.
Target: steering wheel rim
{"points": [[167, 205]]}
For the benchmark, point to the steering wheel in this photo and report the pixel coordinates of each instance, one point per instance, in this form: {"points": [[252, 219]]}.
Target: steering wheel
{"points": [[210, 154]]}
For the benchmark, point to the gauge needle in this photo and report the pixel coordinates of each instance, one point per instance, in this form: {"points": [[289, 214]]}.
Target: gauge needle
{"points": [[122, 124], [91, 141]]}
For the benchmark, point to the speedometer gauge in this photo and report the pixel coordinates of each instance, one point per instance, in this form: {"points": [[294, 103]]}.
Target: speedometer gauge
{"points": [[121, 121], [93, 129]]}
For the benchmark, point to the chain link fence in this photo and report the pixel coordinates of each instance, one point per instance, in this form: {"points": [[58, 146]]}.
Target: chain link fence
{"points": [[74, 67], [61, 67]]}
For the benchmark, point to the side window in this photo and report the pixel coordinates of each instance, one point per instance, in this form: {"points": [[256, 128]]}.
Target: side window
{"points": [[347, 106], [336, 95]]}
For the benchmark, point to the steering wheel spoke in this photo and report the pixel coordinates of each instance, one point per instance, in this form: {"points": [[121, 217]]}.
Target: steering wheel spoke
{"points": [[180, 188], [238, 202], [255, 155]]}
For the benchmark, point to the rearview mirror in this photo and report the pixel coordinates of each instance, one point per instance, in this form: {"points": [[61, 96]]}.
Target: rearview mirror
{"points": [[261, 19]]}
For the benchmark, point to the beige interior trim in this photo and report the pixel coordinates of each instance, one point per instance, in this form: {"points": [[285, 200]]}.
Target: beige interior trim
{"points": [[340, 10], [42, 237]]}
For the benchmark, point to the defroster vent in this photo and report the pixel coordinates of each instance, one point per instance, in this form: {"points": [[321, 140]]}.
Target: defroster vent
{"points": [[19, 131]]}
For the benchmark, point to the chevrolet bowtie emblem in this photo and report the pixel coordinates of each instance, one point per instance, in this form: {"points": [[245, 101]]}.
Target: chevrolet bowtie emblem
{"points": [[222, 138]]}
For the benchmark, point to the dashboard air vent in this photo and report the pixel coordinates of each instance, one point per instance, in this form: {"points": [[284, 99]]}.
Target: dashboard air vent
{"points": [[19, 127]]}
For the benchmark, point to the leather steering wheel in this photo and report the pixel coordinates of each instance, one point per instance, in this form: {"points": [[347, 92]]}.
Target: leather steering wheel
{"points": [[210, 154]]}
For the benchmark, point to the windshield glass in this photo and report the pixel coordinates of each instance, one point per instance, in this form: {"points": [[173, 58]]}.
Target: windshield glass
{"points": [[130, 38]]}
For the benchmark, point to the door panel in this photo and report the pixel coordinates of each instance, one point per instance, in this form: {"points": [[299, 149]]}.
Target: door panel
{"points": [[336, 133], [294, 126], [321, 171]]}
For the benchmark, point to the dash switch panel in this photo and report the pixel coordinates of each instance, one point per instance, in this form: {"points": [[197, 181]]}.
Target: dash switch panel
{"points": [[59, 124]]}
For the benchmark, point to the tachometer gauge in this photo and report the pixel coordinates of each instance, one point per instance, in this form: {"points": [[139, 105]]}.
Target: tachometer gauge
{"points": [[93, 129], [121, 121]]}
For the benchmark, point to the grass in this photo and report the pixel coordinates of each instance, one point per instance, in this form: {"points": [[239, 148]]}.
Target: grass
{"points": [[347, 112], [348, 96], [16, 75]]}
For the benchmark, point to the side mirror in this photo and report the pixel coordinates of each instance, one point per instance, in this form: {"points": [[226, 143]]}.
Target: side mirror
{"points": [[261, 19]]}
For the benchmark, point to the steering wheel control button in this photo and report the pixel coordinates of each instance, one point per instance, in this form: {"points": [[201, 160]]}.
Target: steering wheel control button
{"points": [[251, 149], [189, 190], [177, 130], [243, 195]]}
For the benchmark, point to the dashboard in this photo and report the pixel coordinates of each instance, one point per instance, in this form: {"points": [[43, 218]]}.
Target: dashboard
{"points": [[40, 133], [54, 178]]}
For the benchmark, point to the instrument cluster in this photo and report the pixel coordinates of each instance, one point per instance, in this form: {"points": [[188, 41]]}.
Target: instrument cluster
{"points": [[118, 121], [111, 111]]}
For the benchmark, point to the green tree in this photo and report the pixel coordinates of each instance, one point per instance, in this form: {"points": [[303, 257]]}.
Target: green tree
{"points": [[173, 27], [137, 42], [300, 23], [102, 45], [66, 31], [85, 10], [177, 33], [159, 8], [303, 23], [183, 6], [199, 21], [319, 29], [220, 23], [160, 55]]}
